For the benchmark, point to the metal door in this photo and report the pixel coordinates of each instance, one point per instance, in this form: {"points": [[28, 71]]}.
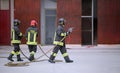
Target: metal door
{"points": [[50, 20]]}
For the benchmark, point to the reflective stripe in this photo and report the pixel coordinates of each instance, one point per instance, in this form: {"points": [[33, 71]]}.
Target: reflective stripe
{"points": [[34, 39], [20, 34], [15, 41], [58, 43], [65, 54], [54, 54], [32, 53], [17, 53], [63, 34], [28, 37], [13, 34], [54, 36], [13, 37], [32, 43], [13, 52]]}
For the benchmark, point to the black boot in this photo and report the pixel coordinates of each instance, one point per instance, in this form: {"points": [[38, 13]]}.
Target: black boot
{"points": [[10, 57], [51, 59], [19, 58], [31, 58], [67, 59]]}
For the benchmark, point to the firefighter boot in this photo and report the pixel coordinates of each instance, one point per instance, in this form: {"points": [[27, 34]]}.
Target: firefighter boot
{"points": [[10, 57], [67, 59], [51, 59], [31, 58], [19, 58]]}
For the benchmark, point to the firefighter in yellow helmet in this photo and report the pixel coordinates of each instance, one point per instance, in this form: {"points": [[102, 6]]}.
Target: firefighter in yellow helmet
{"points": [[16, 37], [31, 36], [60, 45]]}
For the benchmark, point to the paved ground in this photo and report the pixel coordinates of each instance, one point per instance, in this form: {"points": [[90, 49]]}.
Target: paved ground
{"points": [[87, 59]]}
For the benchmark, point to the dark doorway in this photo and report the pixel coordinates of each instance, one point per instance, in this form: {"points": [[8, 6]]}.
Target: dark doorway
{"points": [[89, 22]]}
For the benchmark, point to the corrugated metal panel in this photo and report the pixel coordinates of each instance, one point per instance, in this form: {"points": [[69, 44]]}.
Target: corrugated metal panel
{"points": [[5, 22], [71, 11], [25, 11], [5, 27], [108, 21]]}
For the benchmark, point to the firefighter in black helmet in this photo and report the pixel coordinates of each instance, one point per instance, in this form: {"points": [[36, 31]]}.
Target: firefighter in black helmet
{"points": [[16, 37], [60, 45], [31, 36]]}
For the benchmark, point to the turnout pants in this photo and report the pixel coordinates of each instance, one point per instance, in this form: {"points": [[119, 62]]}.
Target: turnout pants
{"points": [[62, 50]]}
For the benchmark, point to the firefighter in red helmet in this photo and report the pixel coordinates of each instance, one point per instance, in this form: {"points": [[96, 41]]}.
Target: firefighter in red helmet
{"points": [[31, 36], [60, 45], [16, 37]]}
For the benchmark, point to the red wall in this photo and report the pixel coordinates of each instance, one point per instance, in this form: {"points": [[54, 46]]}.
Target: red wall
{"points": [[71, 11], [5, 27], [109, 21], [25, 11]]}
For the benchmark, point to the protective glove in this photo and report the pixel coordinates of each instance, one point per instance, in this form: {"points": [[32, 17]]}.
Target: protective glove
{"points": [[67, 33], [70, 29]]}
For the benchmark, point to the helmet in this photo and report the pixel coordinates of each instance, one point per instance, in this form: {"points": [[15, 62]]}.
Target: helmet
{"points": [[16, 22], [62, 21], [33, 23]]}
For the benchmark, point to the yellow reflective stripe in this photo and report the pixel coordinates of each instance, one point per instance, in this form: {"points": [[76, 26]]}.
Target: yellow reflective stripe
{"points": [[13, 52], [32, 53], [20, 34], [28, 36], [15, 41], [65, 54], [54, 36], [58, 43], [32, 43], [17, 53], [13, 34], [34, 37], [63, 34], [54, 54], [13, 37]]}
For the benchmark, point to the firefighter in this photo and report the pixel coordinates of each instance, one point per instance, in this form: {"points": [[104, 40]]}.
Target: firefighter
{"points": [[60, 45], [16, 37], [31, 36]]}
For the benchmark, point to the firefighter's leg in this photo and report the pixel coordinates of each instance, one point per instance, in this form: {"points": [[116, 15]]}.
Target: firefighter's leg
{"points": [[11, 55], [65, 55], [18, 53], [52, 57], [31, 58], [35, 48], [18, 56]]}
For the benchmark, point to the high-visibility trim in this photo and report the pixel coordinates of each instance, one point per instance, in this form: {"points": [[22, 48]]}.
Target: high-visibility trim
{"points": [[34, 39], [17, 53], [58, 43], [15, 41], [32, 53], [54, 54], [65, 54], [54, 36], [13, 34], [32, 43], [13, 52], [13, 37], [28, 37], [20, 34], [63, 34]]}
